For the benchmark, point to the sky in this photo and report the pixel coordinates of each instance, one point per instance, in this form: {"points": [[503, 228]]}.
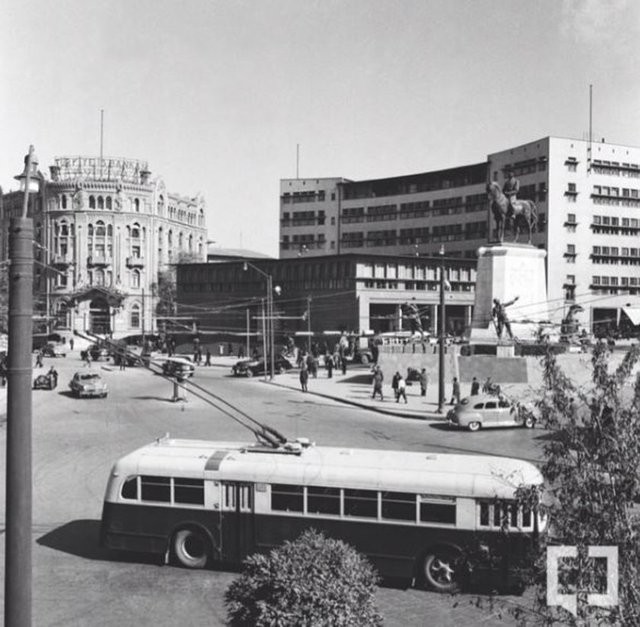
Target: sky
{"points": [[216, 95]]}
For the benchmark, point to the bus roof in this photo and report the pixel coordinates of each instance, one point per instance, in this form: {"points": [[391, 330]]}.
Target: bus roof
{"points": [[479, 476]]}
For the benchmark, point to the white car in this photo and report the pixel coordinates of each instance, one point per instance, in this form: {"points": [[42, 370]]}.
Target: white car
{"points": [[486, 411], [89, 384]]}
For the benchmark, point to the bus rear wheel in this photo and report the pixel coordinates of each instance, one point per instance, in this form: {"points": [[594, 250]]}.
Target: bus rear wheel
{"points": [[442, 569], [191, 548]]}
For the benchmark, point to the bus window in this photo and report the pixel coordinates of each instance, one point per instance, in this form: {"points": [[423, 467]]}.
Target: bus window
{"points": [[484, 514], [438, 513], [245, 493], [323, 500], [287, 498], [130, 488], [399, 506], [189, 491], [361, 503], [155, 488]]}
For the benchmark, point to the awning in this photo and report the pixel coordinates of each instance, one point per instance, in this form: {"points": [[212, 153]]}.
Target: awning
{"points": [[633, 313]]}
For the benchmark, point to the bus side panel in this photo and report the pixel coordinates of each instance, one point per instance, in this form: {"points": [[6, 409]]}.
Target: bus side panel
{"points": [[147, 528], [393, 549]]}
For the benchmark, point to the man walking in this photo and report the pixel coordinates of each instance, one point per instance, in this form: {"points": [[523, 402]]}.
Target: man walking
{"points": [[475, 387], [424, 381], [455, 392], [378, 378], [401, 390], [394, 384], [304, 377]]}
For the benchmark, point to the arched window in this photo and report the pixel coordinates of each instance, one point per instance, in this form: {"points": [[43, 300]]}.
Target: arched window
{"points": [[135, 316], [135, 231], [63, 201], [136, 204], [190, 243], [109, 205], [100, 202], [99, 277], [64, 228], [161, 205], [100, 229], [109, 230], [92, 202], [90, 230], [180, 240], [135, 278]]}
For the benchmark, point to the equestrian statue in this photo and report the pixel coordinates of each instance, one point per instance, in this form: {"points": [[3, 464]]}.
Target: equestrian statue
{"points": [[508, 210]]}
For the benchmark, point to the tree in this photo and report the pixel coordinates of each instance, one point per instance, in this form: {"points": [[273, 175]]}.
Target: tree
{"points": [[592, 474], [313, 580]]}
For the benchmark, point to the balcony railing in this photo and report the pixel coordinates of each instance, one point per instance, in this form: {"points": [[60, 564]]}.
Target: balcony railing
{"points": [[99, 260], [62, 260], [135, 262]]}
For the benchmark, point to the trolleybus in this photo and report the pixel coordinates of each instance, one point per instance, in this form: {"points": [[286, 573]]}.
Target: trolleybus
{"points": [[414, 515]]}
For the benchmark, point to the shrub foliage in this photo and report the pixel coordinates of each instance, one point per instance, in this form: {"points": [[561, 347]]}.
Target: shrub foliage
{"points": [[313, 580]]}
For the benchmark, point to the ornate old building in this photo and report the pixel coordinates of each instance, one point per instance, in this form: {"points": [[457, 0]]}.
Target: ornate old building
{"points": [[104, 229]]}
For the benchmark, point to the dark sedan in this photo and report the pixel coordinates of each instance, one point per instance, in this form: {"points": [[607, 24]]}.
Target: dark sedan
{"points": [[256, 367], [99, 352]]}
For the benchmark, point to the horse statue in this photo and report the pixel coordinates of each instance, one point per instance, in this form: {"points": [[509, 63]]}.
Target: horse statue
{"points": [[524, 212]]}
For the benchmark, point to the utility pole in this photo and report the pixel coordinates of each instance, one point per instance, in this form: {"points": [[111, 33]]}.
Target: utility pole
{"points": [[309, 324], [248, 335], [264, 339], [442, 338], [19, 485]]}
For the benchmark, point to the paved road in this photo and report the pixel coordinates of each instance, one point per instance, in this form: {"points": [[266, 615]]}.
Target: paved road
{"points": [[76, 440]]}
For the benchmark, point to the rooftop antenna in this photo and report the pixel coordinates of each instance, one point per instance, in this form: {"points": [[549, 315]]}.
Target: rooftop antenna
{"points": [[101, 139], [297, 161]]}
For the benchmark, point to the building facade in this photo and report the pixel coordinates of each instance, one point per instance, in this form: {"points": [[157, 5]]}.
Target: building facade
{"points": [[355, 292], [103, 231], [587, 200]]}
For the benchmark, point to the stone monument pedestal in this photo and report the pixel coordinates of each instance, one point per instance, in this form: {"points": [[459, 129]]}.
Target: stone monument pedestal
{"points": [[505, 271]]}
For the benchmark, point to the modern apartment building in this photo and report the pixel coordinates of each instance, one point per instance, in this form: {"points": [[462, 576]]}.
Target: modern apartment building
{"points": [[103, 230], [587, 195]]}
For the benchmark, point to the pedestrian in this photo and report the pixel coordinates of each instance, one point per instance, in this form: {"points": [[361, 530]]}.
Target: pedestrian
{"points": [[455, 392], [401, 389], [208, 357], [70, 343], [378, 378], [328, 364], [240, 351], [343, 362], [394, 384], [487, 387], [53, 373], [39, 359], [304, 377], [86, 357], [424, 381], [229, 349], [123, 360], [475, 387]]}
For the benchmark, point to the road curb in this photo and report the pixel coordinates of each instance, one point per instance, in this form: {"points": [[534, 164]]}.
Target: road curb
{"points": [[428, 416]]}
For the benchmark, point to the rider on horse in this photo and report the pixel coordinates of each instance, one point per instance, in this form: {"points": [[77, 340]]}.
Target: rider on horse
{"points": [[510, 189]]}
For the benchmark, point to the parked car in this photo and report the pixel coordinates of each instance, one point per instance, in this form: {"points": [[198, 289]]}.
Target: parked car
{"points": [[256, 367], [45, 382], [52, 349], [89, 384], [98, 352], [180, 367], [486, 411]]}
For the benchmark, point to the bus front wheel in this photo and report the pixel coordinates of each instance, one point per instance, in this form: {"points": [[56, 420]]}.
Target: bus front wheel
{"points": [[191, 548], [442, 569]]}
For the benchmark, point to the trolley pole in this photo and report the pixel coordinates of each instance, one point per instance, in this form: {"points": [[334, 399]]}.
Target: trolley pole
{"points": [[17, 597]]}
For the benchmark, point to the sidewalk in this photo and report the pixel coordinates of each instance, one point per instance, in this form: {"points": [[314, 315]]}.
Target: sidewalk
{"points": [[355, 388]]}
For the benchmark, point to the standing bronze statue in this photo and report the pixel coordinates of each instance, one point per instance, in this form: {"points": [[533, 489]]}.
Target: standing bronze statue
{"points": [[500, 318], [507, 209]]}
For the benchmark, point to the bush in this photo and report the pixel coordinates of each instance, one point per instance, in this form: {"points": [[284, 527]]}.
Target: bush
{"points": [[313, 580]]}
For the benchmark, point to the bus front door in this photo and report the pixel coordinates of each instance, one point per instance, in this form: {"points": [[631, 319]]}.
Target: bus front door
{"points": [[238, 524]]}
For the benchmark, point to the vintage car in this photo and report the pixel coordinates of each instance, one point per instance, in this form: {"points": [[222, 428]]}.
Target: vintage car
{"points": [[87, 383], [53, 349], [180, 367], [99, 352], [47, 381], [485, 411], [255, 367]]}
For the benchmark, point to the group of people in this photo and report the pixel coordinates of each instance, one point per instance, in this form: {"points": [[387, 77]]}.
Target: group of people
{"points": [[398, 384], [309, 365], [488, 387]]}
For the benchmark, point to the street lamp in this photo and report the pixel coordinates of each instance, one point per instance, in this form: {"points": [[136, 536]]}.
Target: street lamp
{"points": [[442, 336], [17, 597], [269, 315]]}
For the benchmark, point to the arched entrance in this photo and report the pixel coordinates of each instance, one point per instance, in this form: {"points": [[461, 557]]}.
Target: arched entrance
{"points": [[99, 316]]}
